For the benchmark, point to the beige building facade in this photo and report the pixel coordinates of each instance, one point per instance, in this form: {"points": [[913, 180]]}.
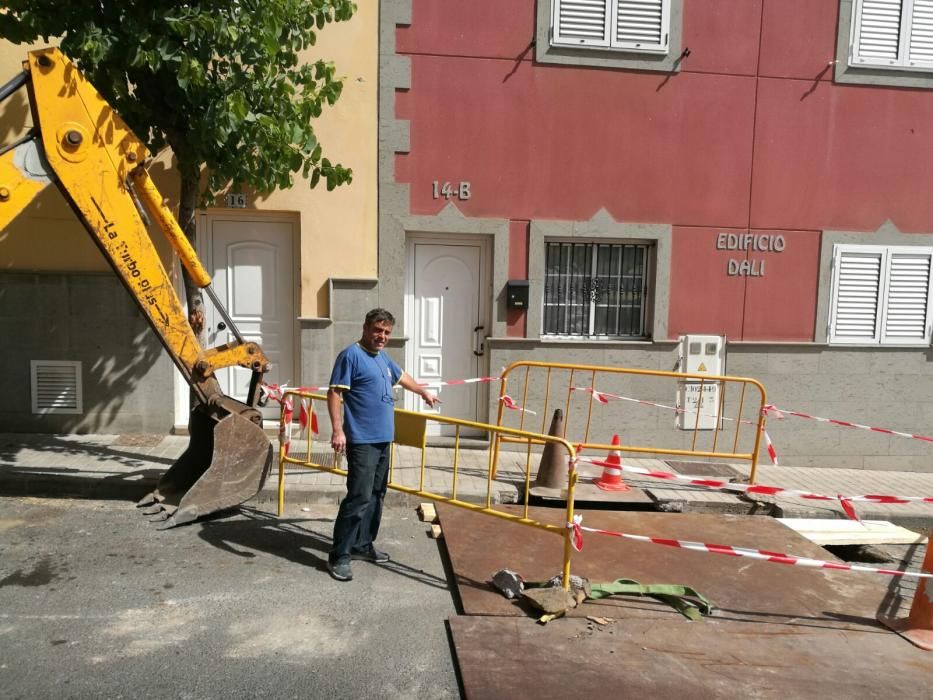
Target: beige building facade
{"points": [[279, 262]]}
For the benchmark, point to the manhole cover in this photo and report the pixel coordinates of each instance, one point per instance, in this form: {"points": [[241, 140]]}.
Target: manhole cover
{"points": [[703, 469]]}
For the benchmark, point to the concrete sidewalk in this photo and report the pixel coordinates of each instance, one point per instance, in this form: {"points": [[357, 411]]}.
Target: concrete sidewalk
{"points": [[128, 467]]}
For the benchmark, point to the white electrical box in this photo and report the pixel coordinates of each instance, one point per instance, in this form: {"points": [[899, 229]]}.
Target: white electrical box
{"points": [[698, 401]]}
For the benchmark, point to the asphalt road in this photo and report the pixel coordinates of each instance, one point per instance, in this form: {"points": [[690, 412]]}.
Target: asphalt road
{"points": [[94, 602]]}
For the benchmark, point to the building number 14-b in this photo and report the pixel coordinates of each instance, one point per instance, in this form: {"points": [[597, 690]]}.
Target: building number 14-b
{"points": [[447, 190]]}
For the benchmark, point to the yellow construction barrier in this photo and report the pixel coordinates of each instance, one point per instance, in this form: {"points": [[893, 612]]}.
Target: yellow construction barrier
{"points": [[581, 387], [409, 471]]}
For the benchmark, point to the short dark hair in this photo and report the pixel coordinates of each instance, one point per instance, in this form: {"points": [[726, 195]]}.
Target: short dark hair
{"points": [[377, 315]]}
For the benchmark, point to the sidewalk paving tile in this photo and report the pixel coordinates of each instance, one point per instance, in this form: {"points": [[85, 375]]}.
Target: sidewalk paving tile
{"points": [[94, 458]]}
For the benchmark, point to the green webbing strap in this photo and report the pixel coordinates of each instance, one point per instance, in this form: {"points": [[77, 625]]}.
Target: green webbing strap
{"points": [[678, 597]]}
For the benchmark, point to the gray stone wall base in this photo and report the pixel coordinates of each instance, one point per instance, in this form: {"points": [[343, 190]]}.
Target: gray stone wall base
{"points": [[877, 387], [322, 338], [127, 377]]}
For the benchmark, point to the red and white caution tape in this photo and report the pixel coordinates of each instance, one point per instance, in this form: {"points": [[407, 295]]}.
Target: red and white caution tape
{"points": [[604, 397], [849, 508], [285, 427], [458, 382], [307, 416], [272, 389], [509, 402], [755, 488], [598, 395], [578, 529], [779, 413], [772, 453], [276, 391], [306, 413]]}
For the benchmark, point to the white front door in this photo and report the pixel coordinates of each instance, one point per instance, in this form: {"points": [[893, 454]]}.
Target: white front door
{"points": [[252, 263], [449, 326]]}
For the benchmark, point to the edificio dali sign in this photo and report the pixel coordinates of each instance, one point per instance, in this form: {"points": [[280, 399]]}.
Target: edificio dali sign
{"points": [[755, 242]]}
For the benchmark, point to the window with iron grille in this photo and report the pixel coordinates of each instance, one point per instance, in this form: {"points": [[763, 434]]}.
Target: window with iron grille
{"points": [[596, 290]]}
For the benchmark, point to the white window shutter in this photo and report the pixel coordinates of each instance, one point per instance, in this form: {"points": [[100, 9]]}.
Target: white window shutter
{"points": [[876, 32], [920, 45], [642, 24], [856, 292], [908, 298], [581, 22]]}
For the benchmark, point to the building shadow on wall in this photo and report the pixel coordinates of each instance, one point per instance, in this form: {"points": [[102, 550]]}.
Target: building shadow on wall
{"points": [[117, 376], [124, 377], [60, 300]]}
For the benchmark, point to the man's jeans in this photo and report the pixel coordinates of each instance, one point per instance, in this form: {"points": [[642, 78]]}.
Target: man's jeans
{"points": [[360, 511]]}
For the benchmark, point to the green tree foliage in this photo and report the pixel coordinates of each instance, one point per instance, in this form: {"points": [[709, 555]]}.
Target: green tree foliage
{"points": [[219, 81]]}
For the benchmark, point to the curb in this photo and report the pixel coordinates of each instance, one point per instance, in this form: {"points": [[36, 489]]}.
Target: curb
{"points": [[43, 485], [30, 483]]}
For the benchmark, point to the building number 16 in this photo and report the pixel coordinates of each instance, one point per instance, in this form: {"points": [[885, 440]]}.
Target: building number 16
{"points": [[447, 190]]}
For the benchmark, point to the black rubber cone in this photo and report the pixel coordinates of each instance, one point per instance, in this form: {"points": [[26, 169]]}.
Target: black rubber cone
{"points": [[552, 470]]}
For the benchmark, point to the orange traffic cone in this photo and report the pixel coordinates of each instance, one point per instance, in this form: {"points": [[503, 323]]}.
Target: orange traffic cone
{"points": [[611, 479], [918, 626]]}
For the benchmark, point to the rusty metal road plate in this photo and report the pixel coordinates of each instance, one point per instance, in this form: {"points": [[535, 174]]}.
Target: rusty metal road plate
{"points": [[518, 658], [740, 588]]}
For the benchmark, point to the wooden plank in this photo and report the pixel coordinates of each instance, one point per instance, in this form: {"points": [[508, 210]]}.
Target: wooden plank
{"points": [[823, 531], [427, 513]]}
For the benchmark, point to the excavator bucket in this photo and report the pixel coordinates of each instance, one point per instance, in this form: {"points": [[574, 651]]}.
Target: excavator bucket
{"points": [[225, 464]]}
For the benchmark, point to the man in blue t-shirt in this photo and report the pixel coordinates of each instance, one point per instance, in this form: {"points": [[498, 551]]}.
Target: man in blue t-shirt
{"points": [[362, 412]]}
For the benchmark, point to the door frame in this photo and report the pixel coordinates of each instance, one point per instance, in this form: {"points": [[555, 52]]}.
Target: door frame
{"points": [[485, 245], [204, 249]]}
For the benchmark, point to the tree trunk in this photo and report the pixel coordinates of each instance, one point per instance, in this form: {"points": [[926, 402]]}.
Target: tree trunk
{"points": [[187, 209]]}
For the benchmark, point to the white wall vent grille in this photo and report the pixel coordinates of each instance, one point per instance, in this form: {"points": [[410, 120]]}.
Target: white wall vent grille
{"points": [[56, 386]]}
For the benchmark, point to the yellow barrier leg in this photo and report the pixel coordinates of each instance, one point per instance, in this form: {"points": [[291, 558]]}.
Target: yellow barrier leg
{"points": [[568, 535], [281, 504]]}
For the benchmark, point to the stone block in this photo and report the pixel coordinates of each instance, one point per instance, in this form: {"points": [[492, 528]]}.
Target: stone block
{"points": [[351, 300], [95, 295], [793, 361], [900, 463], [746, 361], [897, 361], [852, 361]]}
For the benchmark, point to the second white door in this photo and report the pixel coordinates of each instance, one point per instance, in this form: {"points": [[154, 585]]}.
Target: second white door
{"points": [[449, 323], [251, 263]]}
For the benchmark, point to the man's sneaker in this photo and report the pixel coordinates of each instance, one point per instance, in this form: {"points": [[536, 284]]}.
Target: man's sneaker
{"points": [[370, 554], [340, 569]]}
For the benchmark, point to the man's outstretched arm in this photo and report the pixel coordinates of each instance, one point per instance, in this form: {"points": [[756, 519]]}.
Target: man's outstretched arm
{"points": [[408, 382]]}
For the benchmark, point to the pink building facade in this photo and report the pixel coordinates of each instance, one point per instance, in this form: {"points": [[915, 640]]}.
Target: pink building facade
{"points": [[754, 169]]}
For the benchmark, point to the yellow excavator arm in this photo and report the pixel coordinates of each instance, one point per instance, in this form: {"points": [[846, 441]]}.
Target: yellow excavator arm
{"points": [[78, 142]]}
